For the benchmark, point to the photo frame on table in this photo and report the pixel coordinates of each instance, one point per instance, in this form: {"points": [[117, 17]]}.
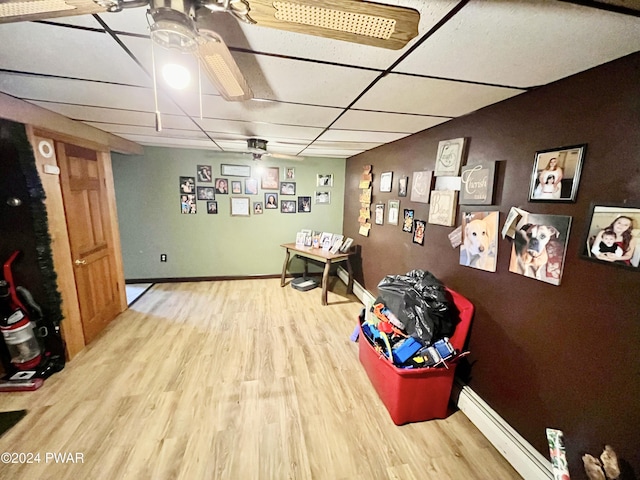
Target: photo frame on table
{"points": [[418, 231], [394, 212], [270, 179], [240, 206], [612, 235], [477, 184], [346, 245], [449, 157], [386, 181], [556, 174], [270, 201], [421, 186], [288, 206]]}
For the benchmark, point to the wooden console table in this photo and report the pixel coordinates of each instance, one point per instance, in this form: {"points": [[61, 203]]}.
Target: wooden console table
{"points": [[321, 256]]}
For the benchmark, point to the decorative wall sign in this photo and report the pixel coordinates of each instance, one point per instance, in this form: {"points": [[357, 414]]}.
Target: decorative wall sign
{"points": [[442, 209], [235, 170], [421, 186], [477, 184], [449, 158]]}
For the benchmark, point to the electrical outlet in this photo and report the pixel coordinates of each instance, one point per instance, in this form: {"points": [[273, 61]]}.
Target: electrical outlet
{"points": [[163, 257]]}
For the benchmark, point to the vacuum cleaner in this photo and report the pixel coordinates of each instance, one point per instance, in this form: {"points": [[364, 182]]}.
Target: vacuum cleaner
{"points": [[24, 333]]}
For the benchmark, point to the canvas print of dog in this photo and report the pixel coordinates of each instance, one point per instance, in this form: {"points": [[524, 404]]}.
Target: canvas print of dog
{"points": [[479, 246], [539, 247]]}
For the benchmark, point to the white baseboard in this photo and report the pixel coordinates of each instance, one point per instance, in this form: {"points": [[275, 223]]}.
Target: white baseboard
{"points": [[525, 459]]}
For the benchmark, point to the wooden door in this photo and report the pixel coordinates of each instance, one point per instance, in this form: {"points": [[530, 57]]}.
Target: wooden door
{"points": [[88, 223]]}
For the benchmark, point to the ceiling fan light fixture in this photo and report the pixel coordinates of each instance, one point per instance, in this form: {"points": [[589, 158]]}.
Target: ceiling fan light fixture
{"points": [[176, 76], [343, 21], [173, 30]]}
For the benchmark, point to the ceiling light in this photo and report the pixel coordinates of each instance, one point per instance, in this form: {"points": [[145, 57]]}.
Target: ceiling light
{"points": [[176, 76]]}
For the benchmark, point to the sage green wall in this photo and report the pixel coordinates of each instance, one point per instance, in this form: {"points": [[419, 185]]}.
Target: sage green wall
{"points": [[205, 245]]}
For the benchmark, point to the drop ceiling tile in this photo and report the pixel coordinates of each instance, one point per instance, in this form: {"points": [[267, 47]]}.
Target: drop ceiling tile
{"points": [[337, 152], [377, 138], [81, 54], [78, 20], [523, 43], [260, 130], [427, 96], [386, 122], [149, 131], [171, 142], [83, 93]]}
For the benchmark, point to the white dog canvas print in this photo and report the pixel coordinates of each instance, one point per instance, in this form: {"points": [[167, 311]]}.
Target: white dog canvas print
{"points": [[479, 248], [539, 247]]}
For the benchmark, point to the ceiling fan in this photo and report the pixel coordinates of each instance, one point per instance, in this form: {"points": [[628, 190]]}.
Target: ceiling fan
{"points": [[182, 25], [257, 147]]}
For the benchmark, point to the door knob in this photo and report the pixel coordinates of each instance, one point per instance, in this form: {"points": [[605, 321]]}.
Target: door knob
{"points": [[80, 262]]}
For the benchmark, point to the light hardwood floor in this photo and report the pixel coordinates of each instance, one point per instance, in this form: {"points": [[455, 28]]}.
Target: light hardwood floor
{"points": [[237, 380]]}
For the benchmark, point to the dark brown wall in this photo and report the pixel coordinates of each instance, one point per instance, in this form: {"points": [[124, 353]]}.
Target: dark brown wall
{"points": [[565, 356]]}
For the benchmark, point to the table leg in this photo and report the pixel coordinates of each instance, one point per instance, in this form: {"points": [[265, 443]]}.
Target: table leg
{"points": [[284, 268], [325, 281], [350, 284]]}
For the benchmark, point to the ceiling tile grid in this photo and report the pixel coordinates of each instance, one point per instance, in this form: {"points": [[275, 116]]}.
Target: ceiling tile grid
{"points": [[311, 95]]}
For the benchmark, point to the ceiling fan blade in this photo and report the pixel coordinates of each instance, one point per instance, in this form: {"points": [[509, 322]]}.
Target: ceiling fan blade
{"points": [[29, 10], [356, 21], [283, 156], [221, 68]]}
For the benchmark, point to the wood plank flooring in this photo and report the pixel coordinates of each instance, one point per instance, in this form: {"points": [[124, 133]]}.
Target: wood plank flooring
{"points": [[236, 380]]}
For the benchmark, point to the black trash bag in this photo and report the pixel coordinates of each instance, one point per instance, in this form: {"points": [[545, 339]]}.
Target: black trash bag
{"points": [[422, 303]]}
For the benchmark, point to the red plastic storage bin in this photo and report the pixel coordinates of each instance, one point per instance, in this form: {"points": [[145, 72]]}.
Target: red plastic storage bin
{"points": [[415, 394]]}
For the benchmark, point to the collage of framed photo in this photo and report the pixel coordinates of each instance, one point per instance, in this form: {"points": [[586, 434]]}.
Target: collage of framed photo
{"points": [[556, 174]]}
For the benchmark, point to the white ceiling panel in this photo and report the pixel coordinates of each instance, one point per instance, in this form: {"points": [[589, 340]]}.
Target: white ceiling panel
{"points": [[386, 122], [84, 54], [523, 43], [310, 93], [377, 138], [427, 96]]}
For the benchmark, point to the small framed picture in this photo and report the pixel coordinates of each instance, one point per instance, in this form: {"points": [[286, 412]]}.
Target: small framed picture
{"points": [[421, 186], [402, 186], [257, 208], [612, 236], [240, 206], [287, 188], [394, 211], [204, 173], [236, 187], [222, 186], [205, 193], [235, 170], [304, 204], [407, 226], [324, 180], [270, 178], [271, 201], [379, 215], [346, 245], [449, 157], [212, 207], [251, 186], [289, 173], [288, 206], [385, 181], [188, 204], [418, 232], [322, 198], [556, 174], [187, 185]]}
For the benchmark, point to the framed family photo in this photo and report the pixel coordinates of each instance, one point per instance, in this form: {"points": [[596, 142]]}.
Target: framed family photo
{"points": [[322, 198], [556, 174], [324, 180], [612, 236], [270, 178], [271, 201]]}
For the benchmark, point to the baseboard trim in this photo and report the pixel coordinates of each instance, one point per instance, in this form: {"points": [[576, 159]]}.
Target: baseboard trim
{"points": [[525, 459]]}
